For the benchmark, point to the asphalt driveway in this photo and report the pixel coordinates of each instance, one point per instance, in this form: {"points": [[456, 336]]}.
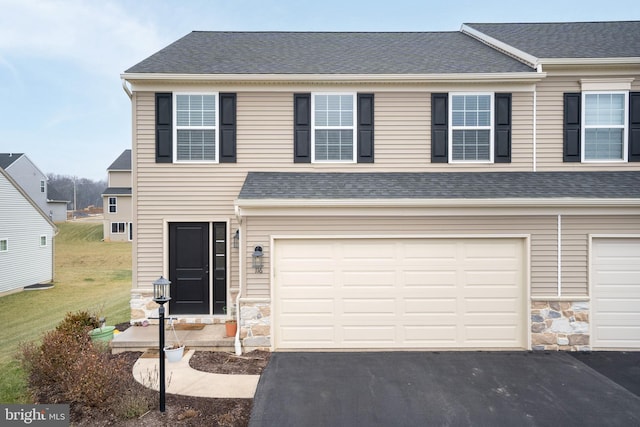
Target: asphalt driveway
{"points": [[441, 389]]}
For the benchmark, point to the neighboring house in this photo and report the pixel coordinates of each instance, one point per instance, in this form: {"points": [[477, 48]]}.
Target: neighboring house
{"points": [[26, 239], [116, 199], [34, 183], [477, 189]]}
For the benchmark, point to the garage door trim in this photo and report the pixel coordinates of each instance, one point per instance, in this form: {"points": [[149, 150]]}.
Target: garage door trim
{"points": [[526, 265]]}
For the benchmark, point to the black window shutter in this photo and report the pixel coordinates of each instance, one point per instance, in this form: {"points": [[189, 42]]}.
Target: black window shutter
{"points": [[439, 128], [365, 128], [634, 127], [302, 128], [502, 143], [164, 131], [227, 127], [571, 128]]}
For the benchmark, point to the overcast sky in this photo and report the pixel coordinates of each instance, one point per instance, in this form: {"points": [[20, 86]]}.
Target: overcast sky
{"points": [[60, 60]]}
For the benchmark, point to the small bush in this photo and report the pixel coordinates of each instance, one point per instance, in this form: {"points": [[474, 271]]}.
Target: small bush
{"points": [[78, 324], [68, 367]]}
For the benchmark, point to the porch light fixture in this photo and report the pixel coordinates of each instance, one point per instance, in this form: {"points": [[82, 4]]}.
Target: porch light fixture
{"points": [[236, 239], [257, 259], [161, 291]]}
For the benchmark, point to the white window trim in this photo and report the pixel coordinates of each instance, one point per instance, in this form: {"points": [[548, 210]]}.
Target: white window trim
{"points": [[353, 127], [43, 185], [491, 127], [176, 128], [46, 241], [584, 127], [7, 243], [114, 204]]}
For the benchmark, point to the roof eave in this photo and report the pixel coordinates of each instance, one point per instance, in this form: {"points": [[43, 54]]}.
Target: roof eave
{"points": [[591, 61], [521, 55], [440, 202], [139, 78]]}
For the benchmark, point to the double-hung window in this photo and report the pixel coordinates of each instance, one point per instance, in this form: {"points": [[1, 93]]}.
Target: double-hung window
{"points": [[604, 130], [196, 130], [471, 130], [118, 227], [333, 121], [4, 245], [43, 241], [113, 204]]}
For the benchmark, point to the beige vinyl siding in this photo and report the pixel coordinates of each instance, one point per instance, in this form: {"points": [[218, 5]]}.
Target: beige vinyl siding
{"points": [[550, 102], [575, 246], [120, 179], [542, 230]]}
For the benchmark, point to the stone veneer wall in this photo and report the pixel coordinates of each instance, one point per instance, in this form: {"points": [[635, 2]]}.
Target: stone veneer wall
{"points": [[560, 325], [255, 326], [144, 308]]}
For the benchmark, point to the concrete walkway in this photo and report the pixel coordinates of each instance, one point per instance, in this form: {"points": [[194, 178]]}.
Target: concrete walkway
{"points": [[183, 379]]}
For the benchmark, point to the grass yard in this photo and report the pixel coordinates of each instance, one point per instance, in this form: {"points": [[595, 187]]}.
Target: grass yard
{"points": [[90, 275]]}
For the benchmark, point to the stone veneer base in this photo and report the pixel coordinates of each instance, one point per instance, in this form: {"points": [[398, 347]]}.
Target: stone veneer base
{"points": [[560, 325]]}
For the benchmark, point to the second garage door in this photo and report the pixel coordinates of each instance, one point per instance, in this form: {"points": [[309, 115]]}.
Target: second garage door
{"points": [[399, 293]]}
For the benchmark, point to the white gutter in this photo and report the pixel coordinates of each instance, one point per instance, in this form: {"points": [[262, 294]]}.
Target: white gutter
{"points": [[355, 78], [238, 346], [360, 203]]}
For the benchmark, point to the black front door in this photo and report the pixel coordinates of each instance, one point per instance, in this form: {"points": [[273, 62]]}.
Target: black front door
{"points": [[189, 267]]}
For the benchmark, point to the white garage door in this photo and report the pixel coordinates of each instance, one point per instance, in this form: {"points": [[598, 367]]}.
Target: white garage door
{"points": [[389, 293], [616, 293]]}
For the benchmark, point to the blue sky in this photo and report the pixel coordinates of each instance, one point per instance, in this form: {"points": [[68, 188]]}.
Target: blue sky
{"points": [[61, 60]]}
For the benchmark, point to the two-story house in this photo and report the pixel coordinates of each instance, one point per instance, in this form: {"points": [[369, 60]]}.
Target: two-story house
{"points": [[475, 189], [34, 182], [117, 200], [26, 239]]}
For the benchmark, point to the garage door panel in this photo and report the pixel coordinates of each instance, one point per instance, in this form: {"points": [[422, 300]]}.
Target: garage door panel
{"points": [[417, 293], [615, 265]]}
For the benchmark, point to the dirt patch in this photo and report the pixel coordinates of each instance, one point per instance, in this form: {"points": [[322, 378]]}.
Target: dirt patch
{"points": [[219, 362]]}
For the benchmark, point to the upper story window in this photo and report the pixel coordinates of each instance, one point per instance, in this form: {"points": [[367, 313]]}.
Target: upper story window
{"points": [[195, 128], [604, 130], [42, 186], [113, 204], [4, 245], [43, 241], [471, 130], [333, 127]]}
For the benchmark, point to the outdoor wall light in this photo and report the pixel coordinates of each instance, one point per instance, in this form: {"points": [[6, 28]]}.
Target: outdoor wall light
{"points": [[236, 239], [161, 291], [257, 259]]}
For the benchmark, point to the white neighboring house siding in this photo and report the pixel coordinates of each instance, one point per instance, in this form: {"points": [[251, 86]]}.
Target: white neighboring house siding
{"points": [[22, 224]]}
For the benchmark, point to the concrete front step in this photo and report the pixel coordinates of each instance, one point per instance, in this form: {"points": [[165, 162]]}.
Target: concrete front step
{"points": [[141, 338]]}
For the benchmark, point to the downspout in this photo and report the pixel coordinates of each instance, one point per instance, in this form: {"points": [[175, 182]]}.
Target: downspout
{"points": [[238, 347], [559, 255], [126, 88], [535, 125]]}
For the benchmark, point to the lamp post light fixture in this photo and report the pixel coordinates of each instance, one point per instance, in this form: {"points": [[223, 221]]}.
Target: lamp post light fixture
{"points": [[161, 291], [257, 259], [236, 239]]}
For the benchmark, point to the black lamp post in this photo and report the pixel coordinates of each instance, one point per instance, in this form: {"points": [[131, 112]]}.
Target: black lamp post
{"points": [[161, 290]]}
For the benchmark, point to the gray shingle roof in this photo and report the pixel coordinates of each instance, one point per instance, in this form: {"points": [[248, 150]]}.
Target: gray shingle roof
{"points": [[617, 39], [117, 191], [445, 185], [6, 159], [327, 53], [123, 162]]}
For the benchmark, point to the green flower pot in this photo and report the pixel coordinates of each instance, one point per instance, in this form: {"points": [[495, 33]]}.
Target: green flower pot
{"points": [[102, 334]]}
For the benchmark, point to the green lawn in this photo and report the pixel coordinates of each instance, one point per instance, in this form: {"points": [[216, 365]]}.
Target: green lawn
{"points": [[89, 275]]}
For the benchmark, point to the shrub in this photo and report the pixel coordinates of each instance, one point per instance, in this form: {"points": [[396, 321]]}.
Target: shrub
{"points": [[68, 367]]}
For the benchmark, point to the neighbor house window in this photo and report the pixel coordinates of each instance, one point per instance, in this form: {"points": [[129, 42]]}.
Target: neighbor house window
{"points": [[333, 118], [118, 227], [43, 241], [604, 130], [113, 204], [195, 128], [4, 245], [42, 186], [471, 130]]}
